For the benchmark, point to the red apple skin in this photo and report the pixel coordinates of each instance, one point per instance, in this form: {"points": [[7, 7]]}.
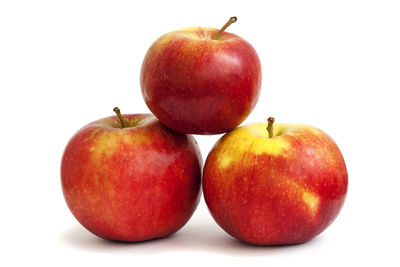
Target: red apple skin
{"points": [[132, 184], [197, 85], [275, 191]]}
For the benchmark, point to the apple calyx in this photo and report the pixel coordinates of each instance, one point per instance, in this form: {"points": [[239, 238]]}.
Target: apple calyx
{"points": [[270, 127], [230, 21], [121, 119]]}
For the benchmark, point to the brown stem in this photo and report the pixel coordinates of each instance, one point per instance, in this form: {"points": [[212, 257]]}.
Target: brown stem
{"points": [[270, 127], [121, 119], [230, 21]]}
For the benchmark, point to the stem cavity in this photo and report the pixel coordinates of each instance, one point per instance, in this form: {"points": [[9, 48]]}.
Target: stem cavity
{"points": [[230, 21], [121, 119]]}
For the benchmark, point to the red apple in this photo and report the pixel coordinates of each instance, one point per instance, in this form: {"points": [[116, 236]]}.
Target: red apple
{"points": [[283, 189], [134, 183], [201, 80]]}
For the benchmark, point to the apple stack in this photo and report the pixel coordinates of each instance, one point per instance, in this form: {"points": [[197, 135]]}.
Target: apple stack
{"points": [[137, 177]]}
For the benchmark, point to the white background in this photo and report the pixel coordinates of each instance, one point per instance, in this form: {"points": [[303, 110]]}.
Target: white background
{"points": [[331, 64]]}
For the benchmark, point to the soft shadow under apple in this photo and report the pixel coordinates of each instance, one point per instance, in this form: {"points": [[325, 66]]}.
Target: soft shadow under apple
{"points": [[195, 236]]}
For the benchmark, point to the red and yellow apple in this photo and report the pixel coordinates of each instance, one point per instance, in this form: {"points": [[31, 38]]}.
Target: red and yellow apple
{"points": [[201, 80], [134, 183], [278, 186]]}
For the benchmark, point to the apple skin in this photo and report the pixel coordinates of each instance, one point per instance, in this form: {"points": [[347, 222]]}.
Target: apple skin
{"points": [[274, 191], [132, 184], [197, 85]]}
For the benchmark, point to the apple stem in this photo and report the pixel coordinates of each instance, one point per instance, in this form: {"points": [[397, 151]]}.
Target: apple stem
{"points": [[270, 127], [121, 119], [230, 21]]}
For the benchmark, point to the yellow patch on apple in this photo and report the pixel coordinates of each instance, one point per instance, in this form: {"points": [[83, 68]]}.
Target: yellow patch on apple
{"points": [[253, 139], [311, 200]]}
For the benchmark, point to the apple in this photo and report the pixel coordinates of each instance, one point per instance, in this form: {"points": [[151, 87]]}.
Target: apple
{"points": [[201, 80], [268, 184], [131, 178]]}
